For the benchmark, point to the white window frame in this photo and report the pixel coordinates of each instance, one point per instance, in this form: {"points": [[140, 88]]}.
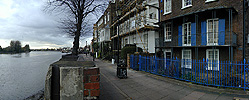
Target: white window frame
{"points": [[187, 62], [145, 38], [210, 65], [167, 32], [125, 41], [188, 34], [165, 57], [167, 7], [209, 1], [247, 38], [134, 39], [214, 40], [184, 4], [107, 17]]}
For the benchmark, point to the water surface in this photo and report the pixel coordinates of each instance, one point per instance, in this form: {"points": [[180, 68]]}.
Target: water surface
{"points": [[22, 75]]}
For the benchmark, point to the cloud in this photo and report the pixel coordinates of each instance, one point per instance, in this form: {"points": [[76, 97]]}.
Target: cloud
{"points": [[25, 20]]}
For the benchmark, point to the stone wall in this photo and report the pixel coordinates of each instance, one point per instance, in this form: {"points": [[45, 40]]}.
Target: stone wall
{"points": [[72, 80]]}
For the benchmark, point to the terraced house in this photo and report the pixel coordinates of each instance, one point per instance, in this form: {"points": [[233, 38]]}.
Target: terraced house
{"points": [[136, 24], [101, 33], [197, 29]]}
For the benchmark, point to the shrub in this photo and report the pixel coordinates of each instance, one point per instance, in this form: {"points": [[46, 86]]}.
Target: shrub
{"points": [[108, 56], [130, 50]]}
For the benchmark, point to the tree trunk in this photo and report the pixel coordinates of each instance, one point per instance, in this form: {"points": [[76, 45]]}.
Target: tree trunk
{"points": [[77, 36], [76, 44]]}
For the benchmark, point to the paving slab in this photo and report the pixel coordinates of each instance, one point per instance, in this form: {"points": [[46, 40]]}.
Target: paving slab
{"points": [[209, 96]]}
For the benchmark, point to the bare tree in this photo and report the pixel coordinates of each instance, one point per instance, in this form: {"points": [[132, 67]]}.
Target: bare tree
{"points": [[78, 10]]}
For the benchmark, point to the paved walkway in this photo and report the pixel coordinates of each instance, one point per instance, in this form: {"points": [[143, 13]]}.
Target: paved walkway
{"points": [[145, 86]]}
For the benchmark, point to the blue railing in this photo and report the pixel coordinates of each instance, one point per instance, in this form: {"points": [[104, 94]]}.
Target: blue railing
{"points": [[213, 73]]}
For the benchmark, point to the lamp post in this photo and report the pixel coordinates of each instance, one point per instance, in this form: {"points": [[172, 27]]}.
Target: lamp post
{"points": [[121, 67], [118, 13]]}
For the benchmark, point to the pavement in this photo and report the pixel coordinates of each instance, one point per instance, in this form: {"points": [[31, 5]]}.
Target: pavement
{"points": [[145, 86]]}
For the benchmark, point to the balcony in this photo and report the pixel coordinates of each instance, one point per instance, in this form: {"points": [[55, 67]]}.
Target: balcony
{"points": [[197, 40]]}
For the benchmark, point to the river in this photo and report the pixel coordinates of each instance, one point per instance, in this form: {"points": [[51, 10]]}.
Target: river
{"points": [[22, 75]]}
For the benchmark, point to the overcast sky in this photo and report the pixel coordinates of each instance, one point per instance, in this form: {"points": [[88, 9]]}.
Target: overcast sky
{"points": [[25, 20]]}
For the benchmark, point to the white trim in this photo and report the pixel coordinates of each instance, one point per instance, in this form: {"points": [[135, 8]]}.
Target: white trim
{"points": [[207, 1], [247, 38], [167, 13], [188, 44], [186, 6], [165, 57], [213, 30], [183, 5], [189, 63], [211, 68], [167, 40], [165, 6], [164, 31]]}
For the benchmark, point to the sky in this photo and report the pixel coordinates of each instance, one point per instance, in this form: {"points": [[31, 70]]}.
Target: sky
{"points": [[26, 21]]}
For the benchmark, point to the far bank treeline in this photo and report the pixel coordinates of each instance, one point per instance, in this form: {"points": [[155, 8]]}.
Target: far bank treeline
{"points": [[15, 47]]}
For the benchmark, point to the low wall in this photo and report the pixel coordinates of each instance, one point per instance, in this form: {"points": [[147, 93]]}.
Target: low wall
{"points": [[72, 80], [91, 83]]}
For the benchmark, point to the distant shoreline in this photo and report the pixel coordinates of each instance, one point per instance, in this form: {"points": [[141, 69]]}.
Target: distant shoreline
{"points": [[13, 52]]}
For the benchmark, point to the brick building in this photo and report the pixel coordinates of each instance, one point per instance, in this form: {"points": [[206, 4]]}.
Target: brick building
{"points": [[136, 24], [102, 29], [197, 29]]}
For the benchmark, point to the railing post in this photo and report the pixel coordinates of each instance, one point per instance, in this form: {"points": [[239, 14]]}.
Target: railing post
{"points": [[156, 65], [177, 68], [206, 65], [244, 74], [131, 61], [140, 62]]}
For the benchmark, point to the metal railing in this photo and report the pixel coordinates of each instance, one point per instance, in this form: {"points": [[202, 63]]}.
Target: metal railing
{"points": [[213, 73], [210, 39]]}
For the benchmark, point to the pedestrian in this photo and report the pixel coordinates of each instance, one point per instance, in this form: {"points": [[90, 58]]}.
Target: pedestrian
{"points": [[93, 57]]}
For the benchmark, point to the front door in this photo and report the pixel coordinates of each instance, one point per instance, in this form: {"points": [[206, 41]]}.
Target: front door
{"points": [[167, 57]]}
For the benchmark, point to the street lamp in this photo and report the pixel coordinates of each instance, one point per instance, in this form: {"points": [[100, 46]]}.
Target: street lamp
{"points": [[121, 67], [118, 14]]}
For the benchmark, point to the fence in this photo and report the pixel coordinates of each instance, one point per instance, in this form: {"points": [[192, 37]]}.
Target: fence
{"points": [[213, 73]]}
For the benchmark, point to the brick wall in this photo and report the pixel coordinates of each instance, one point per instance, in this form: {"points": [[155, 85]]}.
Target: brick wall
{"points": [[91, 83], [200, 5]]}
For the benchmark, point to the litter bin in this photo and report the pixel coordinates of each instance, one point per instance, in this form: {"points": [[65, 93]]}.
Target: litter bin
{"points": [[121, 70]]}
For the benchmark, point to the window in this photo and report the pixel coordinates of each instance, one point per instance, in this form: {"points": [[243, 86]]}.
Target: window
{"points": [[117, 30], [213, 59], [209, 1], [212, 31], [138, 20], [247, 38], [186, 3], [167, 6], [126, 41], [167, 32], [145, 38], [186, 36], [132, 26], [107, 17], [134, 39], [152, 15], [186, 58]]}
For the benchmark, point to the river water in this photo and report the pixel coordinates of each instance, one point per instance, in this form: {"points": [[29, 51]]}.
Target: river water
{"points": [[22, 75]]}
